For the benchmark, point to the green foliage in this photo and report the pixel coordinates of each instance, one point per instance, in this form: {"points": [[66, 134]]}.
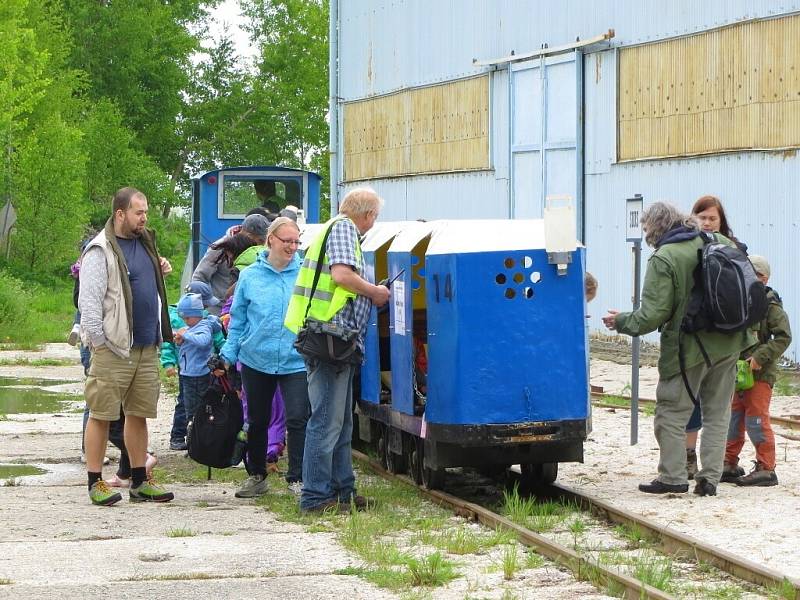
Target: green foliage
{"points": [[432, 570], [31, 313], [14, 301]]}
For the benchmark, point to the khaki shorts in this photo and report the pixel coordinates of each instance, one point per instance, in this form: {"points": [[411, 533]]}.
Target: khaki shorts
{"points": [[130, 383]]}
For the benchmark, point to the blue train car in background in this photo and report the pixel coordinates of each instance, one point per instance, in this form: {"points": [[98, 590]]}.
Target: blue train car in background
{"points": [[221, 198], [496, 311]]}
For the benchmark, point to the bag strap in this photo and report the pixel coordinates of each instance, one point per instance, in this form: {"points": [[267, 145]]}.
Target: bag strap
{"points": [[682, 362], [319, 268]]}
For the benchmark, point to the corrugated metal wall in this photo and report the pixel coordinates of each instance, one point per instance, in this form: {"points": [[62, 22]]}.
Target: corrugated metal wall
{"points": [[392, 44]]}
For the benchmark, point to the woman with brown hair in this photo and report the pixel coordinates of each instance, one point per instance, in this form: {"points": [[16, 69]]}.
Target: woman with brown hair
{"points": [[710, 215]]}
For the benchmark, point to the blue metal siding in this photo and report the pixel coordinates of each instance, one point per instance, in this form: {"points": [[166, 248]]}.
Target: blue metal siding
{"points": [[388, 45]]}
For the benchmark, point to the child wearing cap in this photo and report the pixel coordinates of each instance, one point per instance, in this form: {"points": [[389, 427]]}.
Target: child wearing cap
{"points": [[750, 408], [171, 353]]}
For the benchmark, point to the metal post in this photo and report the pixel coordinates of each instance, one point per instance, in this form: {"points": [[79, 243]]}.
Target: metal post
{"points": [[633, 209], [636, 343]]}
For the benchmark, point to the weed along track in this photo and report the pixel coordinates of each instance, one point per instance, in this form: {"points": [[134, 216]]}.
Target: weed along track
{"points": [[621, 553]]}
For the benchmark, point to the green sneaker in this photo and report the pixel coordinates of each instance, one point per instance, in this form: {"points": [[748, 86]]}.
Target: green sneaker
{"points": [[149, 491], [102, 495]]}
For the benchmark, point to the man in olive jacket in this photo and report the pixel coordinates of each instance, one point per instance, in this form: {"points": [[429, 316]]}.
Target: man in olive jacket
{"points": [[667, 287]]}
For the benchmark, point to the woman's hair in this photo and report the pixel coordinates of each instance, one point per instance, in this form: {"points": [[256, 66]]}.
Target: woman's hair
{"points": [[589, 286], [659, 218], [280, 222], [706, 202], [360, 201], [232, 246]]}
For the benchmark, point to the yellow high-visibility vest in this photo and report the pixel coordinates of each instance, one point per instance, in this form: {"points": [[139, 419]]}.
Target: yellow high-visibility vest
{"points": [[329, 298]]}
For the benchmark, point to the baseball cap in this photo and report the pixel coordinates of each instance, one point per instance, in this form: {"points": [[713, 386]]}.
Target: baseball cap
{"points": [[190, 305], [256, 224], [202, 288], [760, 264]]}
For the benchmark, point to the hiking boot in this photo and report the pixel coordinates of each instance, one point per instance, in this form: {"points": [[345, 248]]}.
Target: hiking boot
{"points": [[658, 487], [362, 503], [253, 486], [332, 506], [178, 445], [759, 476], [704, 487], [691, 463], [102, 495], [149, 491], [731, 473]]}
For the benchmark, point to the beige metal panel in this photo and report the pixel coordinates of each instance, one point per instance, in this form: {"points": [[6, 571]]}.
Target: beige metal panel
{"points": [[735, 88], [435, 129]]}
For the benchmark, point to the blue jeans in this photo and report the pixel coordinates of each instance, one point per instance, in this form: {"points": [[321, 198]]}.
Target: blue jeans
{"points": [[193, 389], [178, 432], [327, 460]]}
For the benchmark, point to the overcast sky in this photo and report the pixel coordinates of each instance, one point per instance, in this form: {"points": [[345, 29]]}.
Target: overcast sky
{"points": [[229, 13]]}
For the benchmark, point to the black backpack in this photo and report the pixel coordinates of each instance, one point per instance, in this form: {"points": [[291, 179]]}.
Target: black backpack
{"points": [[727, 296], [214, 426]]}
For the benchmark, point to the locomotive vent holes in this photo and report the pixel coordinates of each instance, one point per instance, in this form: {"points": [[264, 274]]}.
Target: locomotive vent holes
{"points": [[519, 278], [509, 263], [527, 292], [510, 293], [500, 279], [527, 262], [536, 277]]}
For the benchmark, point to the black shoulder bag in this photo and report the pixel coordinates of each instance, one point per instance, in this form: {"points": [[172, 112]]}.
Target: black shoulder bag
{"points": [[322, 340]]}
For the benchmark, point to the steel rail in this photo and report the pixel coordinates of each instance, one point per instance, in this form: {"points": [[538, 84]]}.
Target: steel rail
{"points": [[787, 422], [582, 567], [675, 542]]}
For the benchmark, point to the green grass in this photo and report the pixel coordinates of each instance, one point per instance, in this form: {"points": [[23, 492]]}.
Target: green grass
{"points": [[4, 581], [786, 385], [37, 362], [533, 560], [510, 561], [654, 570], [535, 515], [431, 571], [45, 315], [784, 591], [177, 532], [633, 534]]}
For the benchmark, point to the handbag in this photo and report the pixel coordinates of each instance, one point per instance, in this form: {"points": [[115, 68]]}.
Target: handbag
{"points": [[744, 376], [322, 340]]}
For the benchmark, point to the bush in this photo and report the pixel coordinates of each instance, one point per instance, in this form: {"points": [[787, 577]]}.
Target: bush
{"points": [[14, 302]]}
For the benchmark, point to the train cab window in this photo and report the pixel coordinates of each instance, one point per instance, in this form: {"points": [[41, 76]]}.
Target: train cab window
{"points": [[241, 194]]}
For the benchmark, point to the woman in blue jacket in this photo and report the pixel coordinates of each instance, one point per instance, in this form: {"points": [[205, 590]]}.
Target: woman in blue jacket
{"points": [[258, 339]]}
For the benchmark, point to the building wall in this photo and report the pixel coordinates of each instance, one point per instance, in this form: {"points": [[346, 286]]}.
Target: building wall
{"points": [[391, 45]]}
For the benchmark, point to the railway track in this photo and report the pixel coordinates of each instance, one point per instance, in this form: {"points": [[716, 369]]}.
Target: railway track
{"points": [[668, 541], [788, 422]]}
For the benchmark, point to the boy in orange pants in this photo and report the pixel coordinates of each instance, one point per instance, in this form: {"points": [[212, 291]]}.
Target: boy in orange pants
{"points": [[750, 408]]}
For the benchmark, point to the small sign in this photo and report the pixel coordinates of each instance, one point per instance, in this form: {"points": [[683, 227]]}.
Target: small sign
{"points": [[633, 215], [399, 299]]}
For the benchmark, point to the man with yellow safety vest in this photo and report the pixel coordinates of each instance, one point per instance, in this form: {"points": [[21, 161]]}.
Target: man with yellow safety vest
{"points": [[344, 297]]}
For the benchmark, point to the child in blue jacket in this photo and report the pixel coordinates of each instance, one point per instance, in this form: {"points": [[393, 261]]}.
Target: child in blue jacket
{"points": [[169, 360], [196, 345]]}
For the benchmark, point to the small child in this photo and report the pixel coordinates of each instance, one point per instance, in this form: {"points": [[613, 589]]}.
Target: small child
{"points": [[196, 343]]}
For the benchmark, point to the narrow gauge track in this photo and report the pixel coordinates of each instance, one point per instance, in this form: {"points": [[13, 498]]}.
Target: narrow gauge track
{"points": [[788, 422], [581, 566], [668, 540]]}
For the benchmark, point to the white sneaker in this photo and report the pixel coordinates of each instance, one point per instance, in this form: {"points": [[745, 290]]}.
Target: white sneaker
{"points": [[74, 335], [296, 487]]}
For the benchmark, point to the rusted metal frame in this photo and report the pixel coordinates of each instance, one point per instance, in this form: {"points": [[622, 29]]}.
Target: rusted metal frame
{"points": [[674, 542], [583, 568]]}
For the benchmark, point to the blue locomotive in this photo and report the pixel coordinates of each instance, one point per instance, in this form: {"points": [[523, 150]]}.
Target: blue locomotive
{"points": [[221, 198], [482, 358]]}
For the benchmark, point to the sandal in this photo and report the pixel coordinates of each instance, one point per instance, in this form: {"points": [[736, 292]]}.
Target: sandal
{"points": [[118, 482]]}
